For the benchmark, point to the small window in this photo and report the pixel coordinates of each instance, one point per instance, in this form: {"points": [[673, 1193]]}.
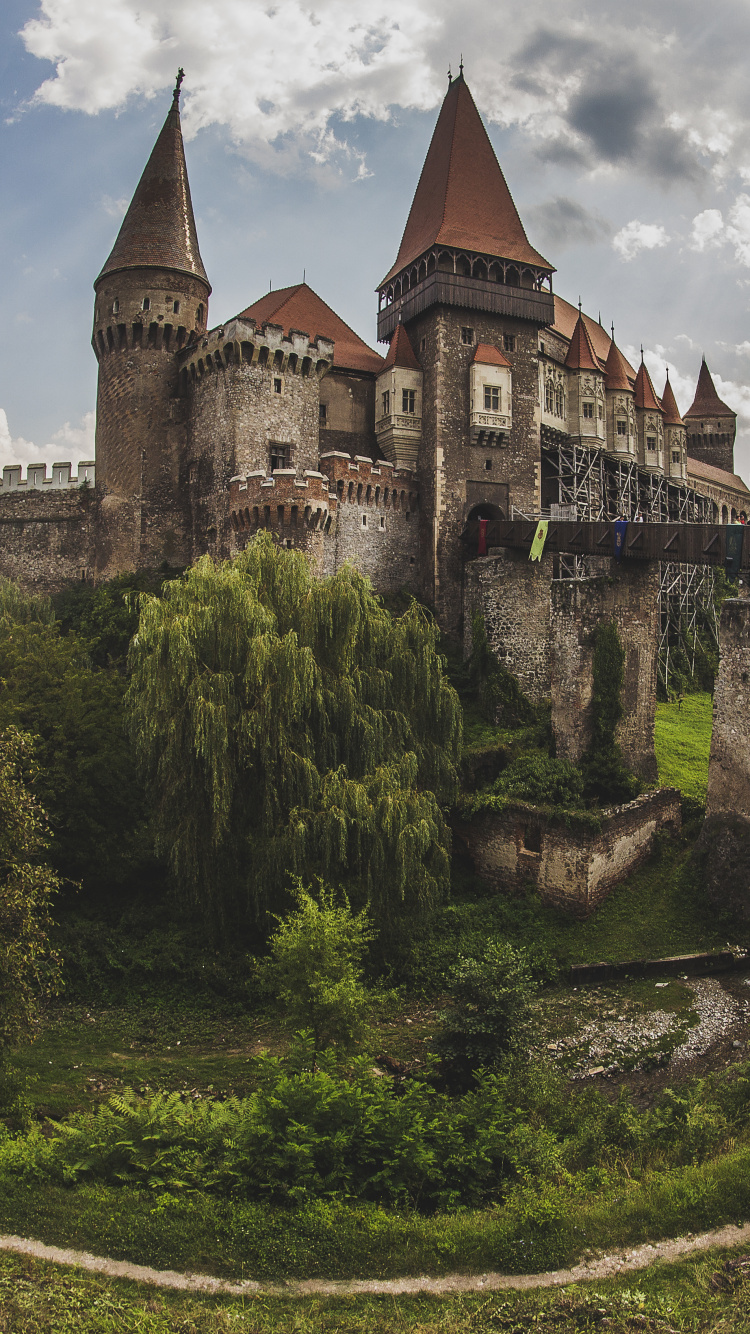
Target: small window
{"points": [[322, 414], [467, 335], [199, 315], [588, 411], [541, 348], [488, 465], [407, 401], [175, 307], [115, 307], [423, 345], [532, 838], [601, 412], [549, 397], [650, 442], [364, 520], [622, 427], [387, 403], [382, 521], [675, 455], [280, 455], [491, 398], [277, 386], [146, 303], [509, 342]]}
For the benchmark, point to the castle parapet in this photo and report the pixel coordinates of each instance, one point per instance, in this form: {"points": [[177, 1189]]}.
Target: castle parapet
{"points": [[359, 481], [36, 476], [243, 342]]}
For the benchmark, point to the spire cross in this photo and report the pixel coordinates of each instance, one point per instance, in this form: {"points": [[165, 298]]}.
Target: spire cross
{"points": [[178, 85], [461, 65], [641, 351], [450, 77], [580, 303]]}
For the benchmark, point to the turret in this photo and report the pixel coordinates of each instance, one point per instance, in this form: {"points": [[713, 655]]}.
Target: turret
{"points": [[675, 444], [711, 425], [649, 421], [398, 403], [585, 388], [622, 435], [151, 300]]}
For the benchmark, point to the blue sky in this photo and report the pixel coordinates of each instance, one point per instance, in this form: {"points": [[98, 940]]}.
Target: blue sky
{"points": [[623, 134]]}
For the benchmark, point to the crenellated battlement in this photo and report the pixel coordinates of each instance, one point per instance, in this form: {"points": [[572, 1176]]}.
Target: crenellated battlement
{"points": [[243, 342], [280, 500], [358, 481], [36, 478]]}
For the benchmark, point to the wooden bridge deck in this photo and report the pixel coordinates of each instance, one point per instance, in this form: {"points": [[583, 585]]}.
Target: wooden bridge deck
{"points": [[687, 543]]}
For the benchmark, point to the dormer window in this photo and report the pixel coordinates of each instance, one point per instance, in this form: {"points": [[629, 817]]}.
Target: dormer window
{"points": [[407, 401], [491, 398], [588, 411]]}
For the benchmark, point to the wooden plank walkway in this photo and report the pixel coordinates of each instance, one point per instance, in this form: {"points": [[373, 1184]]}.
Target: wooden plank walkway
{"points": [[686, 543]]}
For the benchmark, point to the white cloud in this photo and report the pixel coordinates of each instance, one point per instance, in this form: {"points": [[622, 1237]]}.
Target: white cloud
{"points": [[69, 444], [708, 229], [636, 236], [115, 208]]}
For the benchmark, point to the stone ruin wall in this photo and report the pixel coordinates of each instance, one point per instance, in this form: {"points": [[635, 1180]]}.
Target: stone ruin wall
{"points": [[48, 537], [513, 594]]}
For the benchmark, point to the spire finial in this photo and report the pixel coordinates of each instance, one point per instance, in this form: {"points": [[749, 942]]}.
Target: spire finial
{"points": [[461, 65], [641, 352], [613, 331], [580, 304], [667, 372], [178, 84], [450, 77]]}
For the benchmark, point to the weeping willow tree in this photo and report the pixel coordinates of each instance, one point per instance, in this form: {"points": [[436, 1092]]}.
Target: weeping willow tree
{"points": [[289, 725]]}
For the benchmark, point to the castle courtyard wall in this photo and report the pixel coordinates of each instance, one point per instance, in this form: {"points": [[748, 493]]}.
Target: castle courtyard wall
{"points": [[48, 538]]}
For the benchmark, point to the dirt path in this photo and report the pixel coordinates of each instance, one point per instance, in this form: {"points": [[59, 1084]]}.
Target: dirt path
{"points": [[605, 1267]]}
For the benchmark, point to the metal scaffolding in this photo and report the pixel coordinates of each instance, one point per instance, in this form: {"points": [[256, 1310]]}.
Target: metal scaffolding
{"points": [[687, 609]]}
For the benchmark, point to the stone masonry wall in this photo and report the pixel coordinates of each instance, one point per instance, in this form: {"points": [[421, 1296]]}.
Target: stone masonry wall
{"points": [[729, 763], [571, 868], [630, 598], [349, 402], [47, 539], [513, 594], [447, 459]]}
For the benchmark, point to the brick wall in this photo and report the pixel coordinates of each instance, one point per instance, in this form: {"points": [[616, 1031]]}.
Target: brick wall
{"points": [[570, 868]]}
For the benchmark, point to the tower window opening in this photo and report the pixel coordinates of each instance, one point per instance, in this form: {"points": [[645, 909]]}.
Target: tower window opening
{"points": [[277, 386], [280, 456], [175, 307], [115, 307], [549, 397], [588, 411], [322, 413], [407, 401], [382, 521], [622, 427], [386, 403], [467, 336], [601, 412], [509, 342], [364, 520], [650, 442], [146, 303], [491, 398], [675, 455], [199, 315], [488, 465]]}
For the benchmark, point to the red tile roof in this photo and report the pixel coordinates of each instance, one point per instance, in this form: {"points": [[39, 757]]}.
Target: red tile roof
{"points": [[401, 352], [707, 402], [487, 355], [581, 355], [300, 308], [462, 199], [158, 230], [708, 473], [645, 395], [669, 405], [619, 375], [566, 317]]}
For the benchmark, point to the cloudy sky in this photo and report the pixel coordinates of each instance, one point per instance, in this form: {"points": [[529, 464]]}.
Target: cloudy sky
{"points": [[623, 130]]}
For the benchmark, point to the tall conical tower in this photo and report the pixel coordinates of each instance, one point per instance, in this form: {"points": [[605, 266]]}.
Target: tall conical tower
{"points": [[467, 285], [711, 425], [151, 300]]}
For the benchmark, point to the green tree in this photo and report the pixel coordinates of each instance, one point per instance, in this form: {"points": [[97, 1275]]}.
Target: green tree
{"points": [[489, 1014], [288, 724], [29, 967], [315, 968]]}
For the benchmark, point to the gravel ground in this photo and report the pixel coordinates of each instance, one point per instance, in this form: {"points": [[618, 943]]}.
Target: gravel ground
{"points": [[719, 1012]]}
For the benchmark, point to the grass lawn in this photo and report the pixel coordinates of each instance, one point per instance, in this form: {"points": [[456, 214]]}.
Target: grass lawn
{"points": [[683, 741], [700, 1293]]}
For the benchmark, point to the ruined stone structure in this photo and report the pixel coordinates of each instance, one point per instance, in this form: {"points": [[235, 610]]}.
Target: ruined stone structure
{"points": [[495, 395]]}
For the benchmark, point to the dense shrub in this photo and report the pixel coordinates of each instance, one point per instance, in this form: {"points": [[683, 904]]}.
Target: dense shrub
{"points": [[489, 1014]]}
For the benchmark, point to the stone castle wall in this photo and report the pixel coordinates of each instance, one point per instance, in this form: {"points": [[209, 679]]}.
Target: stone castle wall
{"points": [[513, 595], [574, 869], [48, 537]]}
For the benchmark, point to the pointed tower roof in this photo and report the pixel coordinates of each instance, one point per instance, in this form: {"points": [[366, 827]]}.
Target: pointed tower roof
{"points": [[707, 402], [158, 230], [617, 372], [462, 199], [645, 397], [301, 308], [581, 355], [669, 406], [401, 352]]}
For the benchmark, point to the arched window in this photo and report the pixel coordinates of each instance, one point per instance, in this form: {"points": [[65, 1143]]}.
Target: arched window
{"points": [[146, 303]]}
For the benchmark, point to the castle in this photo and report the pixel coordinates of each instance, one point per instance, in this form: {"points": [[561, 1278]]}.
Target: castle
{"points": [[495, 396]]}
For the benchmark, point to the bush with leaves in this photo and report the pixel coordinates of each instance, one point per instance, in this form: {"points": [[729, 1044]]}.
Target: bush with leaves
{"points": [[289, 724], [315, 969], [606, 778], [489, 1014], [29, 967], [541, 779], [500, 696]]}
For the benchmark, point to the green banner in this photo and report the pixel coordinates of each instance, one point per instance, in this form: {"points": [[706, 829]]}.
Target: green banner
{"points": [[540, 537]]}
